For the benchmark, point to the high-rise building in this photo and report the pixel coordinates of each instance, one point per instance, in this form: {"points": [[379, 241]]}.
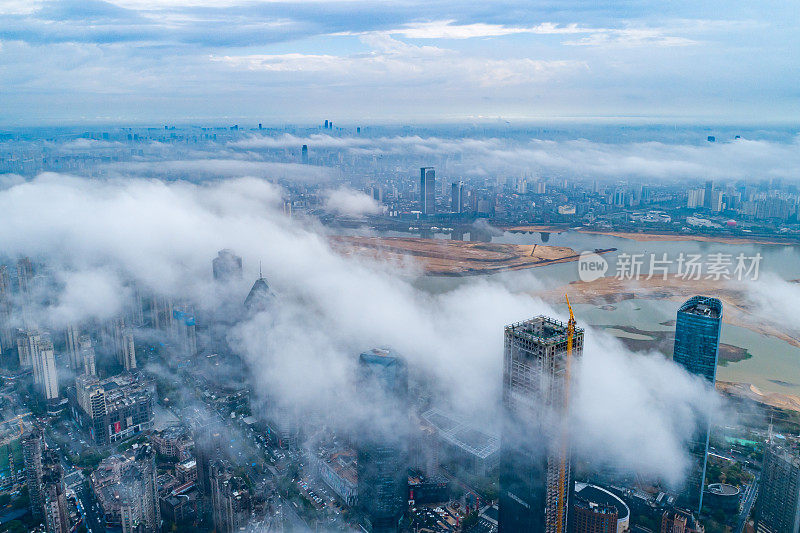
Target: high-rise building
{"points": [[383, 441], [535, 475], [6, 332], [87, 355], [25, 275], [28, 346], [304, 152], [707, 194], [697, 331], [32, 450], [227, 266], [427, 191], [128, 350], [115, 408], [45, 373], [778, 505], [260, 296], [457, 197], [53, 492], [126, 488], [72, 335], [231, 500]]}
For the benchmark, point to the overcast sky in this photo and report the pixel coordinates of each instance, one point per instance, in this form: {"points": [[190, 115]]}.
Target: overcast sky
{"points": [[354, 61]]}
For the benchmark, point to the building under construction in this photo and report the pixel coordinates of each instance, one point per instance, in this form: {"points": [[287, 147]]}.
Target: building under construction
{"points": [[535, 476]]}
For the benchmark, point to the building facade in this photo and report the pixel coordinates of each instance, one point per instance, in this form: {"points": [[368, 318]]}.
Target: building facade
{"points": [[427, 191], [535, 473], [697, 331], [778, 504]]}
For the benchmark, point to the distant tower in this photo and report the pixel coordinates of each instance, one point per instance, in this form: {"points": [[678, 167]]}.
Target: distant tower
{"points": [[382, 447], [25, 275], [457, 197], [28, 346], [73, 346], [707, 194], [697, 330], [6, 333], [227, 266], [32, 449], [260, 296], [535, 474], [87, 356], [45, 373], [128, 351], [778, 504], [427, 191], [305, 154]]}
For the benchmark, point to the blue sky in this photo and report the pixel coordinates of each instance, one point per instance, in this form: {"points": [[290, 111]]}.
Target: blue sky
{"points": [[85, 61]]}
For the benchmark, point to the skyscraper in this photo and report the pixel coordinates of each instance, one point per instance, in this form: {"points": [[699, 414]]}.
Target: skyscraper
{"points": [[707, 200], [304, 152], [227, 266], [427, 190], [778, 505], [535, 475], [87, 356], [128, 350], [32, 449], [45, 373], [383, 442], [73, 346], [457, 197], [697, 330]]}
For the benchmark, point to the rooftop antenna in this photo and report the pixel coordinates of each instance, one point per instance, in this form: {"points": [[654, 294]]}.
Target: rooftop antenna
{"points": [[259, 270]]}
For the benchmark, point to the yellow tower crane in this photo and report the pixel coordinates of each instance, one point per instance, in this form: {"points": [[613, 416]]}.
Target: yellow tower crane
{"points": [[562, 471]]}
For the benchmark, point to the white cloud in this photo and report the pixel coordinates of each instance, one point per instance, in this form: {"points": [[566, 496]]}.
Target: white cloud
{"points": [[346, 201], [394, 61]]}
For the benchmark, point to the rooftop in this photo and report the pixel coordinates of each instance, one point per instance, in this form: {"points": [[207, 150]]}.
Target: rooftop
{"points": [[600, 496], [462, 434], [542, 330], [702, 306]]}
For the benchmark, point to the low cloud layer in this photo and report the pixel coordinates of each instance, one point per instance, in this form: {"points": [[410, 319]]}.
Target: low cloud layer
{"points": [[99, 235]]}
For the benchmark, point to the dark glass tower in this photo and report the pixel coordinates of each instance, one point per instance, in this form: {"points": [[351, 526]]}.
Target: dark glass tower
{"points": [[382, 442], [697, 330], [535, 475], [427, 191]]}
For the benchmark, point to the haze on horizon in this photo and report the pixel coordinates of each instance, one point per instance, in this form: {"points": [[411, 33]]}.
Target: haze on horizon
{"points": [[135, 61]]}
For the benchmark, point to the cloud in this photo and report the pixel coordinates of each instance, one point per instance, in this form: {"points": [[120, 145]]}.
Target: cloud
{"points": [[301, 352], [345, 201], [738, 159], [391, 59]]}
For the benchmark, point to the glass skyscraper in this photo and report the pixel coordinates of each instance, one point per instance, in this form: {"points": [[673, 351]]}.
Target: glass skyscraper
{"points": [[382, 446], [697, 330]]}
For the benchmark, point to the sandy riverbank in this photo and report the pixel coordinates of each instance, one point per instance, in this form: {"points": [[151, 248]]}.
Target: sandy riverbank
{"points": [[455, 258], [608, 290], [787, 402]]}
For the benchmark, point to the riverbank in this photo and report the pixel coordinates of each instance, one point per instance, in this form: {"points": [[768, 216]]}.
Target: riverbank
{"points": [[438, 257], [610, 290], [651, 237]]}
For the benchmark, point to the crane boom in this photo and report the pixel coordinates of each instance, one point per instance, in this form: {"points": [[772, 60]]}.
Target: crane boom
{"points": [[562, 471]]}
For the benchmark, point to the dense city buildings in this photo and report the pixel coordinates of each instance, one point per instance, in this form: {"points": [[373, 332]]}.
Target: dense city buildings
{"points": [[114, 408], [680, 521], [535, 472], [697, 331], [126, 489], [778, 505]]}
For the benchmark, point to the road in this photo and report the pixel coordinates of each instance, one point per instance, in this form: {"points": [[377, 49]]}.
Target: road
{"points": [[747, 505]]}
